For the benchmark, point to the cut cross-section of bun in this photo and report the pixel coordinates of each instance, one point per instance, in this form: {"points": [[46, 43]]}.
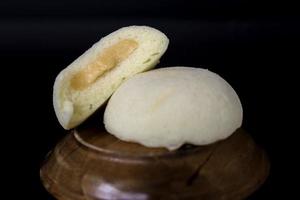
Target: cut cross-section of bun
{"points": [[82, 87]]}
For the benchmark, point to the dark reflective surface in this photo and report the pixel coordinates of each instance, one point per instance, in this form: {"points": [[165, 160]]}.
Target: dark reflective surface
{"points": [[92, 164]]}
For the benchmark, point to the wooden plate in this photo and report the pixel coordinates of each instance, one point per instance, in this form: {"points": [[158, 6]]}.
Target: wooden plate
{"points": [[90, 164]]}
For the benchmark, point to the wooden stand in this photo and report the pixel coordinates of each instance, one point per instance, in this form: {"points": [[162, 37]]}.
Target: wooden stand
{"points": [[91, 164]]}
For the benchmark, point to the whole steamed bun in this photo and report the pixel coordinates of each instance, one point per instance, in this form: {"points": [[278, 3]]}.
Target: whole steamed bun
{"points": [[171, 106]]}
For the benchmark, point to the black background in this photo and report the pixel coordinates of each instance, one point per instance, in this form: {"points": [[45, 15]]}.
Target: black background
{"points": [[253, 45]]}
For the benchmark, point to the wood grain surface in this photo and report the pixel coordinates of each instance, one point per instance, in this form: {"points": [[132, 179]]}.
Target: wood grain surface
{"points": [[90, 164]]}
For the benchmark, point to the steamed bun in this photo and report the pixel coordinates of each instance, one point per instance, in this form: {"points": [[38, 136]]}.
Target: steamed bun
{"points": [[86, 84], [171, 106]]}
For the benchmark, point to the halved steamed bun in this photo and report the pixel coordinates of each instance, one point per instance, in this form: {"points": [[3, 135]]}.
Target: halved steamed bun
{"points": [[82, 87], [171, 106]]}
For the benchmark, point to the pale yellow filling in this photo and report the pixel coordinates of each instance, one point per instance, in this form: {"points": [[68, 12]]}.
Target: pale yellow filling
{"points": [[104, 62]]}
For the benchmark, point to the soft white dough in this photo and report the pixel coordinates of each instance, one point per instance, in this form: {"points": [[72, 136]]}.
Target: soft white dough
{"points": [[171, 106], [73, 107]]}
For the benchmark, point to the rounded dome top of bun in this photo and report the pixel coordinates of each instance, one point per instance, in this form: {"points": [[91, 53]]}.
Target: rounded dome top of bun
{"points": [[171, 106]]}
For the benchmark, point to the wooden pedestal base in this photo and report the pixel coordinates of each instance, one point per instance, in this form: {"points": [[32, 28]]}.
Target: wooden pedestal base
{"points": [[91, 164]]}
